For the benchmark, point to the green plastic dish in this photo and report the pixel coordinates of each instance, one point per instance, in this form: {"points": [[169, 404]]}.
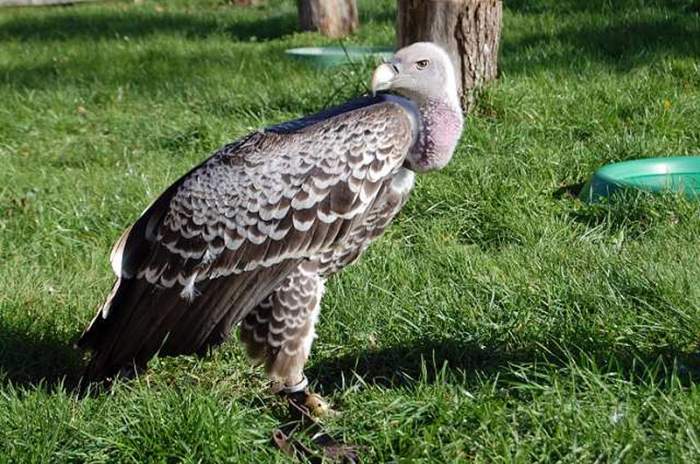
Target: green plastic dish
{"points": [[675, 174], [334, 56]]}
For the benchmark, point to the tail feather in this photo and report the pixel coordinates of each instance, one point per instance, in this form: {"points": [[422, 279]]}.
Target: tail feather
{"points": [[102, 334], [143, 319]]}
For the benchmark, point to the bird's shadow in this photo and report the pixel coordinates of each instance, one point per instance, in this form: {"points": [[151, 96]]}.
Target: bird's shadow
{"points": [[38, 360], [49, 361], [427, 361]]}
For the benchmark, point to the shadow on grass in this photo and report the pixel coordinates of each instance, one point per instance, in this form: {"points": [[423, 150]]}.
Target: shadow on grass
{"points": [[607, 6], [38, 360], [48, 361], [401, 365], [634, 213], [621, 47], [140, 68], [608, 36], [135, 24], [568, 191], [144, 70]]}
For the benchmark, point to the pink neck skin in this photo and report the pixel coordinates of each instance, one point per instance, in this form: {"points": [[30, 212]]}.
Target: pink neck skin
{"points": [[442, 126]]}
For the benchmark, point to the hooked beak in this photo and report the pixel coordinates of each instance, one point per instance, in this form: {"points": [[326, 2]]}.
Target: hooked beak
{"points": [[384, 76]]}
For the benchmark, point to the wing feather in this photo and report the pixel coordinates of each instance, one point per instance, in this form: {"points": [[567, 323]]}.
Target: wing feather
{"points": [[224, 236]]}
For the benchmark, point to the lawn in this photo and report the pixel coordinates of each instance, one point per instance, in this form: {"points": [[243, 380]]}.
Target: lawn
{"points": [[499, 320]]}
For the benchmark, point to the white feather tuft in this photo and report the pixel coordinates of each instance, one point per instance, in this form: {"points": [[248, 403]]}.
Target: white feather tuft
{"points": [[189, 292]]}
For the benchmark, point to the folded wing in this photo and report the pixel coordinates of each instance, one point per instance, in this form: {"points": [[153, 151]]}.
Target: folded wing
{"points": [[226, 234]]}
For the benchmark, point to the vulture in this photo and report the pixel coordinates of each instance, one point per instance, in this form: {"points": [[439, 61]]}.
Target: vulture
{"points": [[248, 237]]}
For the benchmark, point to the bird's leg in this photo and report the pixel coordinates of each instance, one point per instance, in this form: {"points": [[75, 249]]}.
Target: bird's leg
{"points": [[286, 369], [279, 332]]}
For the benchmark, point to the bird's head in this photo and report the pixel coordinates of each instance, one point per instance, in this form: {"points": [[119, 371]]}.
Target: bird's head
{"points": [[421, 71]]}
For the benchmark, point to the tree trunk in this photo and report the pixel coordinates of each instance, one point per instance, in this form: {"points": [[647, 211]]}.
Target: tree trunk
{"points": [[333, 18], [469, 30]]}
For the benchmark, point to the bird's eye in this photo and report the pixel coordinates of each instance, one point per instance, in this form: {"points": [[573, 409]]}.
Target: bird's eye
{"points": [[422, 64]]}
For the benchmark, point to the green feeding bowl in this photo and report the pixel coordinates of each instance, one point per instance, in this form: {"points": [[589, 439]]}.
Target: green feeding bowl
{"points": [[335, 56], [675, 174]]}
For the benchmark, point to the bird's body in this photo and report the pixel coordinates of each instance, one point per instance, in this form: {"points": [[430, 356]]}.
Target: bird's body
{"points": [[251, 234]]}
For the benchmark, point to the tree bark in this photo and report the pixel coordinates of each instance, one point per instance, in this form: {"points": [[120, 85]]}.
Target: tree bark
{"points": [[469, 30], [333, 18]]}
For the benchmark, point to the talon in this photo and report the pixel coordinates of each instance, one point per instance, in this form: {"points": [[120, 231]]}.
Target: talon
{"points": [[300, 396], [318, 407]]}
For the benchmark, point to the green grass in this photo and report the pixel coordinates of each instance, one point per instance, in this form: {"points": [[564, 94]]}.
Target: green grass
{"points": [[499, 320]]}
